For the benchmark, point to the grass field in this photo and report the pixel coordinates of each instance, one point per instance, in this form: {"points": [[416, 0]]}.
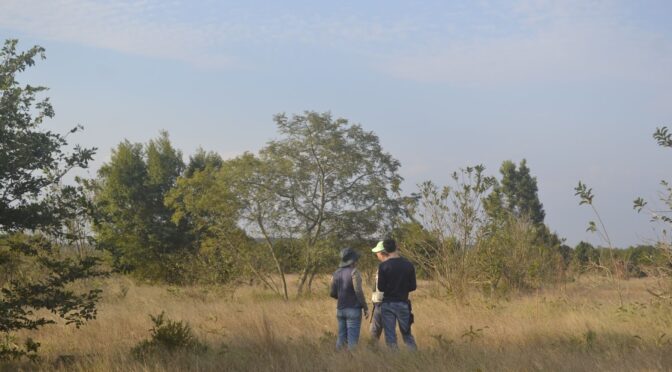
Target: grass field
{"points": [[579, 327]]}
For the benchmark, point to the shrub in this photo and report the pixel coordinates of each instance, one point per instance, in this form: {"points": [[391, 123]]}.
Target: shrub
{"points": [[168, 336]]}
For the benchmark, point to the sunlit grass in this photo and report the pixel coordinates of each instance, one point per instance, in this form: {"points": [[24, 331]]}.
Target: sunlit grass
{"points": [[576, 327]]}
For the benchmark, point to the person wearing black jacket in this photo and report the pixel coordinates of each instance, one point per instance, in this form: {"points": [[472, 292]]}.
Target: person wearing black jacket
{"points": [[346, 287], [396, 278]]}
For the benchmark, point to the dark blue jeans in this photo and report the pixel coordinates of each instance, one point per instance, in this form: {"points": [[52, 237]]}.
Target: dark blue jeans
{"points": [[400, 312], [349, 322]]}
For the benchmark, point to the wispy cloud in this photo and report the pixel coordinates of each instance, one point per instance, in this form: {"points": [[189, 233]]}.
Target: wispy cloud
{"points": [[485, 42], [205, 33], [146, 27], [547, 42]]}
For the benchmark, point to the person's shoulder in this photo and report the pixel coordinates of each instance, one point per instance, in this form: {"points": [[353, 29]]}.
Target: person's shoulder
{"points": [[406, 261], [384, 265]]}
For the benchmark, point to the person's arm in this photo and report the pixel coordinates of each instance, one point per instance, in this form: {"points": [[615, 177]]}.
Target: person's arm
{"points": [[382, 282], [334, 290], [359, 293], [413, 284]]}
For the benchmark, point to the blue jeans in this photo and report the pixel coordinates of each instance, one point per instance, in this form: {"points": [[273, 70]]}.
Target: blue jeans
{"points": [[394, 312], [376, 322], [349, 322]]}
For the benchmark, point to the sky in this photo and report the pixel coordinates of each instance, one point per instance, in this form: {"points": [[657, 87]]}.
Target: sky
{"points": [[575, 87]]}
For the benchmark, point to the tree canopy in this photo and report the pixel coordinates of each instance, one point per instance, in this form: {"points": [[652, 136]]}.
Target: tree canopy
{"points": [[34, 208]]}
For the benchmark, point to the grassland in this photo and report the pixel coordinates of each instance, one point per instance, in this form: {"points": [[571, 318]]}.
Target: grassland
{"points": [[578, 327]]}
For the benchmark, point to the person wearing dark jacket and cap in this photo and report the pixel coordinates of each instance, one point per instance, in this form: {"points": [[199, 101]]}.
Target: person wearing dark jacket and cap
{"points": [[346, 287], [396, 278]]}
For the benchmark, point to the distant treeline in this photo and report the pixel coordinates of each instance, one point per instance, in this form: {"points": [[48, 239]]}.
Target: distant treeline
{"points": [[324, 184]]}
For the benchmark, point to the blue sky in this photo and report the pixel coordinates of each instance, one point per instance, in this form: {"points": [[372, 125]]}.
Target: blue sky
{"points": [[575, 87]]}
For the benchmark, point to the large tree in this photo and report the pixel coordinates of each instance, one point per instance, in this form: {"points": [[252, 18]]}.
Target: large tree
{"points": [[203, 200], [133, 221], [517, 194], [34, 206], [324, 180]]}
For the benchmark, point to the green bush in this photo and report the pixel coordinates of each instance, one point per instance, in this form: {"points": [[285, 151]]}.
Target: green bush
{"points": [[168, 336]]}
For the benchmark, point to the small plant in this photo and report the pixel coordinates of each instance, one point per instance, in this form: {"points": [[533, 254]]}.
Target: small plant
{"points": [[473, 334], [9, 349], [590, 337], [443, 342], [586, 196], [661, 214], [327, 337], [662, 341], [170, 336]]}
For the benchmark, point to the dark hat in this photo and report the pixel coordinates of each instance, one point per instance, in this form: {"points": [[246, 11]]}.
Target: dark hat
{"points": [[389, 245], [348, 257]]}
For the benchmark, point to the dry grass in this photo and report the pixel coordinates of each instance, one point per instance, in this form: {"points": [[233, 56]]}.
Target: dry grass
{"points": [[579, 327]]}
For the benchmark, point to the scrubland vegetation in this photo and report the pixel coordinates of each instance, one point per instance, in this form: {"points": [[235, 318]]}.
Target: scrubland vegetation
{"points": [[222, 264], [579, 326]]}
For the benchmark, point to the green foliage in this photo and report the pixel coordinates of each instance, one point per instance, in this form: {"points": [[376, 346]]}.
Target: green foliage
{"points": [[517, 194], [325, 180], [202, 160], [133, 222], [212, 200], [512, 258], [35, 210], [446, 227], [584, 254], [10, 350], [168, 336], [662, 216], [611, 267], [31, 161], [476, 234], [586, 197], [663, 137]]}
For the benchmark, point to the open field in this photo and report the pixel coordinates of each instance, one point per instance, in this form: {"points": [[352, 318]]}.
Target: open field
{"points": [[577, 327]]}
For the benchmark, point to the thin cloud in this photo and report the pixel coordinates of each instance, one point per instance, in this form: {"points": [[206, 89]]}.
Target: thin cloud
{"points": [[134, 27], [479, 43], [573, 42], [202, 33]]}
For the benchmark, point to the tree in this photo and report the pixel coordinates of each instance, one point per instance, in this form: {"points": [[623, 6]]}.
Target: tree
{"points": [[34, 206], [203, 200], [584, 254], [202, 160], [133, 221], [323, 181], [446, 225], [264, 214], [517, 193]]}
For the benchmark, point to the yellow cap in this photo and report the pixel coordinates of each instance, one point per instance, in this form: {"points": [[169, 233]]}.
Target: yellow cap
{"points": [[378, 248]]}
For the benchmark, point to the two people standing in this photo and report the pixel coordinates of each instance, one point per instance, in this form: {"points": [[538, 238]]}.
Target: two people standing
{"points": [[394, 280]]}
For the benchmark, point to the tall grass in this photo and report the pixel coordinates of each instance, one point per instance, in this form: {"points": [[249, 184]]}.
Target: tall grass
{"points": [[579, 327]]}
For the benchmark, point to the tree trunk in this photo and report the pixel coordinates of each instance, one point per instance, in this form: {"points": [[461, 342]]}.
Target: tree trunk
{"points": [[313, 273], [278, 266], [302, 279]]}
